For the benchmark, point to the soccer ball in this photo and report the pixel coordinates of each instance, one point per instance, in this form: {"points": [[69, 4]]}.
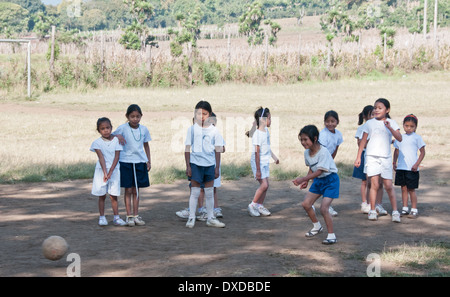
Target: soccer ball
{"points": [[54, 247]]}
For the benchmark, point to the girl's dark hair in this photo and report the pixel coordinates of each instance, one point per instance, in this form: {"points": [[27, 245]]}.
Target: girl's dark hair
{"points": [[204, 105], [410, 118], [364, 114], [311, 131], [133, 107], [331, 113], [102, 120], [259, 113], [386, 103]]}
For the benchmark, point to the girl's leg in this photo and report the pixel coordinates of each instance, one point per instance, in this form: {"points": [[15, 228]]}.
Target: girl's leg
{"points": [[364, 191], [374, 186], [387, 183], [413, 196], [193, 198], [135, 202], [260, 193], [114, 204], [127, 200], [307, 204], [101, 205], [405, 196], [209, 199], [324, 210]]}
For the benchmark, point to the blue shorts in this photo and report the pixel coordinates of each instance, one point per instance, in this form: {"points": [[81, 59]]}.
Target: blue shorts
{"points": [[202, 174], [127, 175], [358, 172], [327, 186]]}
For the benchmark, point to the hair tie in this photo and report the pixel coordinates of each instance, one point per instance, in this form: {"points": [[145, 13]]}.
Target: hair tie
{"points": [[411, 116]]}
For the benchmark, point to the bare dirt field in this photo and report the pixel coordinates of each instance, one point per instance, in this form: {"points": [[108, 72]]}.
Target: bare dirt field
{"points": [[248, 246]]}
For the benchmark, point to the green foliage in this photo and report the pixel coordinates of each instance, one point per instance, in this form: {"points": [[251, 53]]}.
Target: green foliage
{"points": [[13, 17], [390, 34], [134, 36], [189, 33], [250, 21]]}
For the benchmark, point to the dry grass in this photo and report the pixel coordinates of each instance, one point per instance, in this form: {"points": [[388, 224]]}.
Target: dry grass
{"points": [[56, 130]]}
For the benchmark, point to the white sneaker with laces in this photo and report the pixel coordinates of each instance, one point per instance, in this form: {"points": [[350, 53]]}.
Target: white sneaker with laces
{"points": [[365, 208], [380, 210], [130, 221], [263, 211], [213, 222], [372, 215], [184, 214], [102, 221], [119, 222], [396, 217], [333, 213], [139, 221], [190, 223], [253, 211], [218, 212]]}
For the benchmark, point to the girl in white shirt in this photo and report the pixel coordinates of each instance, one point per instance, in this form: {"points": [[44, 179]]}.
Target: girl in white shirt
{"points": [[377, 135], [323, 172], [135, 161], [259, 161], [407, 169], [107, 173], [202, 155]]}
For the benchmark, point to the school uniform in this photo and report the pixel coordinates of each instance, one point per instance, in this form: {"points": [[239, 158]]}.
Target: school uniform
{"points": [[261, 139], [327, 183]]}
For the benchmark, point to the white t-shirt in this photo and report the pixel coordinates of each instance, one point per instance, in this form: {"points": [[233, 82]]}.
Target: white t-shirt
{"points": [[262, 139], [133, 150], [203, 142], [330, 140], [408, 148], [380, 137], [108, 149], [322, 160]]}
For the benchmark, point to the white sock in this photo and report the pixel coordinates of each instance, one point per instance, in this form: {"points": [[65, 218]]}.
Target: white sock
{"points": [[317, 226], [193, 200], [209, 201], [331, 236]]}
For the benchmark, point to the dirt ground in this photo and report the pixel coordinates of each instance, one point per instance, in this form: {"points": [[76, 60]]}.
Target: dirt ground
{"points": [[248, 246]]}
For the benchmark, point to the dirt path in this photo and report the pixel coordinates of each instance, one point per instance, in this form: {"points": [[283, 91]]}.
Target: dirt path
{"points": [[248, 246]]}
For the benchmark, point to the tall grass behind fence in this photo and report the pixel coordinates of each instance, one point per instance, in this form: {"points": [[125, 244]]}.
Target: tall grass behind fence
{"points": [[103, 62]]}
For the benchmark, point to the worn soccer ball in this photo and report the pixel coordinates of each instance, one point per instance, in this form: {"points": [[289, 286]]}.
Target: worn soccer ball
{"points": [[54, 247]]}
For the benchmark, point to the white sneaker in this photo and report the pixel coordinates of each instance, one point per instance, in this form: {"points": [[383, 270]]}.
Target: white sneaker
{"points": [[203, 215], [184, 214], [218, 212], [396, 216], [263, 211], [365, 208], [373, 215], [130, 221], [138, 221], [380, 210], [102, 221], [213, 222], [119, 222], [333, 213], [253, 211], [190, 223]]}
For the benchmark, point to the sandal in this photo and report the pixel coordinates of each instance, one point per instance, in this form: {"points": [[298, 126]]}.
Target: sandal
{"points": [[329, 241], [314, 232]]}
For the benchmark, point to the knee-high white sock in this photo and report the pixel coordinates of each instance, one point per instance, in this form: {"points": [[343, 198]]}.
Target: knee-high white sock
{"points": [[193, 200], [209, 201]]}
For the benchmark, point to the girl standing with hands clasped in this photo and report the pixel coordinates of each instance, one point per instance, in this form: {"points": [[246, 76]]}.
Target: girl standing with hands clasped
{"points": [[202, 155], [377, 135], [107, 174], [407, 169], [323, 172], [260, 159], [135, 161]]}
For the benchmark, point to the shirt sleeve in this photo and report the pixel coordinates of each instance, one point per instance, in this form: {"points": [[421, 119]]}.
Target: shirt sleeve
{"points": [[117, 145], [95, 146], [420, 142], [324, 160], [147, 136]]}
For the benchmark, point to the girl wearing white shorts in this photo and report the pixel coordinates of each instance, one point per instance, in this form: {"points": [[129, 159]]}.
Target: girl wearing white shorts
{"points": [[377, 134]]}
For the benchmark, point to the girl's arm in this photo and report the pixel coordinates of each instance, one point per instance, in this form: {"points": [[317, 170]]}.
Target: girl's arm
{"points": [[395, 158], [303, 181], [257, 160], [101, 159], [114, 164], [187, 158], [419, 160], [275, 158], [362, 145], [147, 152], [335, 152], [396, 133], [217, 168]]}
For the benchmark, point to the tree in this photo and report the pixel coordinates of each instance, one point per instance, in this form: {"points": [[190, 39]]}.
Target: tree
{"points": [[249, 23], [13, 18], [135, 34]]}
